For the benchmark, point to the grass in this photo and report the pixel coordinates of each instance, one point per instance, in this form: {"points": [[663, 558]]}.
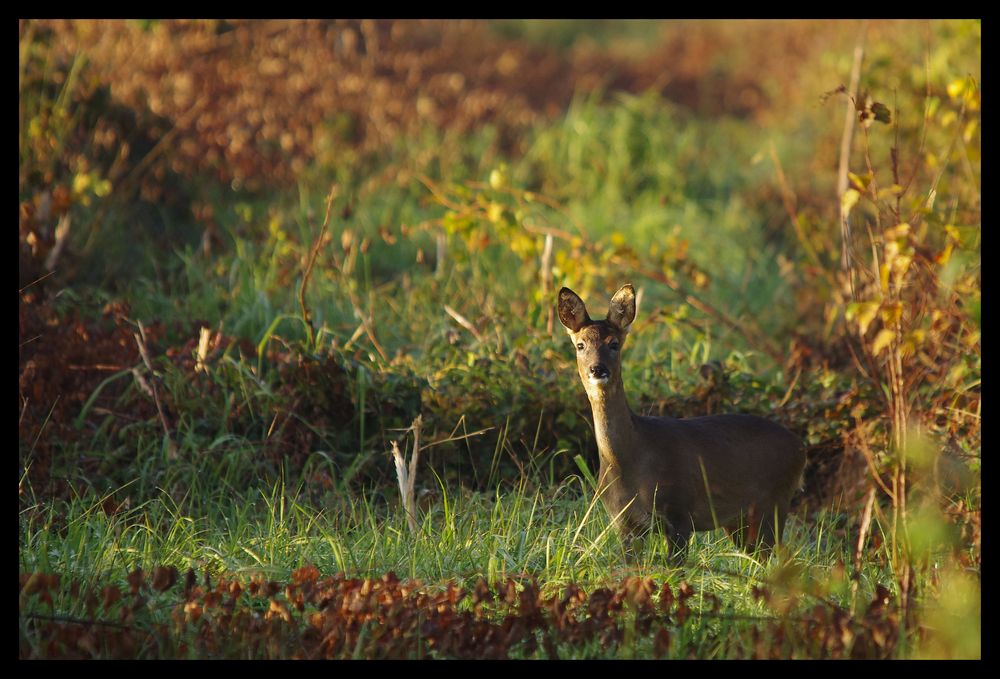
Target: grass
{"points": [[555, 535], [275, 454]]}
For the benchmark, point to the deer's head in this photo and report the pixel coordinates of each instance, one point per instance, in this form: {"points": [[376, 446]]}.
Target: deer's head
{"points": [[598, 344]]}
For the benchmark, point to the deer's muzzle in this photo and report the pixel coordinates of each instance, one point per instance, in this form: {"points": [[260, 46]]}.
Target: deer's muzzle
{"points": [[599, 373]]}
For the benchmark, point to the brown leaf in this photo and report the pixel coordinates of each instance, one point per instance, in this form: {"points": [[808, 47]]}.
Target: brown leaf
{"points": [[135, 580], [110, 594], [661, 643], [164, 578], [307, 573], [666, 599], [190, 580]]}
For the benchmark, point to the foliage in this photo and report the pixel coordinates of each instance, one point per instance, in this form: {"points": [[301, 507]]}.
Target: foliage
{"points": [[353, 618]]}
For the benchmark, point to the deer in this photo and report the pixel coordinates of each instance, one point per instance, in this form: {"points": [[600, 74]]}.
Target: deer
{"points": [[734, 471]]}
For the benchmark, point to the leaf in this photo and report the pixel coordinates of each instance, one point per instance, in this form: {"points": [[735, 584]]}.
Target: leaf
{"points": [[901, 264], [135, 580], [848, 201], [591, 481], [860, 182], [164, 578], [956, 87], [881, 112], [890, 192], [883, 339], [892, 313], [863, 312], [897, 232]]}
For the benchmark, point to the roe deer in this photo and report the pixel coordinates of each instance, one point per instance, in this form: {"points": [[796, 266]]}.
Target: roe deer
{"points": [[732, 471]]}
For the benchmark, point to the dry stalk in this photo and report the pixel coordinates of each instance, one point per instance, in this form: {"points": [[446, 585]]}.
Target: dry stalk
{"points": [[547, 280], [845, 155], [150, 387], [407, 475], [306, 313], [464, 322]]}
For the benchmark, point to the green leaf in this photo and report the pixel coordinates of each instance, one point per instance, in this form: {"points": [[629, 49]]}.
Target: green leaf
{"points": [[582, 465]]}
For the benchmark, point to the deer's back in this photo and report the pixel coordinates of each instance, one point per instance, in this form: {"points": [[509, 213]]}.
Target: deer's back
{"points": [[717, 465]]}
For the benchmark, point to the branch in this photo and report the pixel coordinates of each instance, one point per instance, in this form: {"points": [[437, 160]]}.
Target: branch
{"points": [[845, 152], [306, 314]]}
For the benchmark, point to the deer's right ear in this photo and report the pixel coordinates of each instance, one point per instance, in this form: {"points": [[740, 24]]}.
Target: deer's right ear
{"points": [[621, 312], [572, 310]]}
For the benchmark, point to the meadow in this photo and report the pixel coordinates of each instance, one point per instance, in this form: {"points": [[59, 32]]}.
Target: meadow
{"points": [[257, 257]]}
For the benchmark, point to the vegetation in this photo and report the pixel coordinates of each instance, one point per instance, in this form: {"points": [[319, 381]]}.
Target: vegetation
{"points": [[257, 257]]}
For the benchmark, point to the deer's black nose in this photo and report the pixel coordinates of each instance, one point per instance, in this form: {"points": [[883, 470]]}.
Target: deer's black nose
{"points": [[599, 371]]}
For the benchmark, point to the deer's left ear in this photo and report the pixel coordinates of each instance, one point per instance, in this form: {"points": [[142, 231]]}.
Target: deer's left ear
{"points": [[572, 310], [621, 312]]}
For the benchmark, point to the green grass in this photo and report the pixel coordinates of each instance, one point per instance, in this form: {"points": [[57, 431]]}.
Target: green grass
{"points": [[557, 535]]}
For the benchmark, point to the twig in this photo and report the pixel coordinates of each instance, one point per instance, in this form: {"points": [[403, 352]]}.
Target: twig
{"points": [[85, 621], [140, 340], [845, 154], [753, 335], [366, 323], [463, 437], [306, 314], [547, 280], [37, 280], [866, 521], [464, 322], [62, 233]]}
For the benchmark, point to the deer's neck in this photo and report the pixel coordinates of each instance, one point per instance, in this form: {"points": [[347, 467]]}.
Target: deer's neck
{"points": [[613, 423]]}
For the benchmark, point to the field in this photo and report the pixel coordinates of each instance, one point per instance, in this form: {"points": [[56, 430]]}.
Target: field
{"points": [[258, 258]]}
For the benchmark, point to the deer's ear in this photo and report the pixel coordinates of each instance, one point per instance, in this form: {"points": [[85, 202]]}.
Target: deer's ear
{"points": [[572, 310], [621, 313]]}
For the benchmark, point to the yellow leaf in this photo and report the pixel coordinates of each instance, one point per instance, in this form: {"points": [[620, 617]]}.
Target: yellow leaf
{"points": [[848, 201], [970, 130], [897, 232], [860, 182], [901, 265], [956, 87], [883, 339], [956, 373], [80, 183], [891, 250], [883, 277], [890, 192], [498, 177], [863, 312], [102, 188], [892, 313]]}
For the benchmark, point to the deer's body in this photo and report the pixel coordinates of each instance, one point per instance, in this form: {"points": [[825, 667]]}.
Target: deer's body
{"points": [[738, 472]]}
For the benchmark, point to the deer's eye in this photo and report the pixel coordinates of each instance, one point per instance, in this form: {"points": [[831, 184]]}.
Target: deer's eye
{"points": [[614, 346], [579, 346]]}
